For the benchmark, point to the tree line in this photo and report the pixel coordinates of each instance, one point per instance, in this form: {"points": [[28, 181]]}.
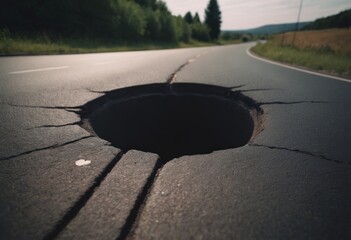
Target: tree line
{"points": [[340, 20], [127, 20]]}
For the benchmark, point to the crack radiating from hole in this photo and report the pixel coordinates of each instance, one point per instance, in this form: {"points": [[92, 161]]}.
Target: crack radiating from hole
{"points": [[289, 103], [173, 75], [44, 148], [95, 91], [56, 126], [45, 107], [141, 200], [319, 156], [80, 203], [74, 109], [235, 87], [257, 90]]}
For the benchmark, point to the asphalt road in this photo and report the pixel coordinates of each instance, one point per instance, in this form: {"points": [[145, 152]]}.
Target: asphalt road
{"points": [[292, 181]]}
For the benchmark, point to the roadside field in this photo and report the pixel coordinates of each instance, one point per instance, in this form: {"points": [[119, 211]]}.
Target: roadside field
{"points": [[324, 50], [333, 40]]}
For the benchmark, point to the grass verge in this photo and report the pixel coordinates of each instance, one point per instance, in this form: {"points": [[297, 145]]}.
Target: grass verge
{"points": [[327, 62], [10, 46], [317, 50], [19, 46]]}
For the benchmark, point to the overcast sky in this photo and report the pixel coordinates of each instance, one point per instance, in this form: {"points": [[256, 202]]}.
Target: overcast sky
{"points": [[244, 14]]}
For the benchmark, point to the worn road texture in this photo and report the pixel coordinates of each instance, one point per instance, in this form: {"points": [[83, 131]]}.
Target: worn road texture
{"points": [[226, 147]]}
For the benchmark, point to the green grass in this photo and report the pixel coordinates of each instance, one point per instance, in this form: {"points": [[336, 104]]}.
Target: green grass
{"points": [[43, 45], [21, 46], [320, 60], [194, 43]]}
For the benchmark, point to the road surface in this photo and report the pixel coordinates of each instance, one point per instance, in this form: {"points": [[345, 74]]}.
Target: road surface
{"points": [[291, 181]]}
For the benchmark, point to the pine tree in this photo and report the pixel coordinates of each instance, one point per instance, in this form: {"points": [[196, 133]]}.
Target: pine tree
{"points": [[196, 18], [188, 18], [213, 19]]}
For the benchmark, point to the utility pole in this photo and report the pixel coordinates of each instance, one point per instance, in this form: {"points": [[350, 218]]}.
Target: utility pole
{"points": [[297, 23]]}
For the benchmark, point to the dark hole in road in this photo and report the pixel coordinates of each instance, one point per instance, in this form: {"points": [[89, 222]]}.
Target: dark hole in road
{"points": [[173, 123]]}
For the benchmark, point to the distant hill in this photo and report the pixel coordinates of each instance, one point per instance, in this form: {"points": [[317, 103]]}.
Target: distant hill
{"points": [[270, 29], [340, 20]]}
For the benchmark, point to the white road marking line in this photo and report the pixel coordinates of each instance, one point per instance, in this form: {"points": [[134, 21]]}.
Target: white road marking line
{"points": [[39, 70], [297, 69]]}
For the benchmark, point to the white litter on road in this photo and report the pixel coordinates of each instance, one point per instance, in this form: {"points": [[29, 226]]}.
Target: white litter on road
{"points": [[82, 162]]}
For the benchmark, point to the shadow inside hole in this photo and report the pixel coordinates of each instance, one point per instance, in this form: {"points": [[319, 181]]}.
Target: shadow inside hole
{"points": [[173, 125]]}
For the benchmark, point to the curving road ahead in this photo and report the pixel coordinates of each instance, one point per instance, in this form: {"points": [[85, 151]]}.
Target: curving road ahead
{"points": [[58, 181]]}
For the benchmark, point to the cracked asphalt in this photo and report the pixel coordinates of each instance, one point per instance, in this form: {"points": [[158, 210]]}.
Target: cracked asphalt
{"points": [[292, 181]]}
